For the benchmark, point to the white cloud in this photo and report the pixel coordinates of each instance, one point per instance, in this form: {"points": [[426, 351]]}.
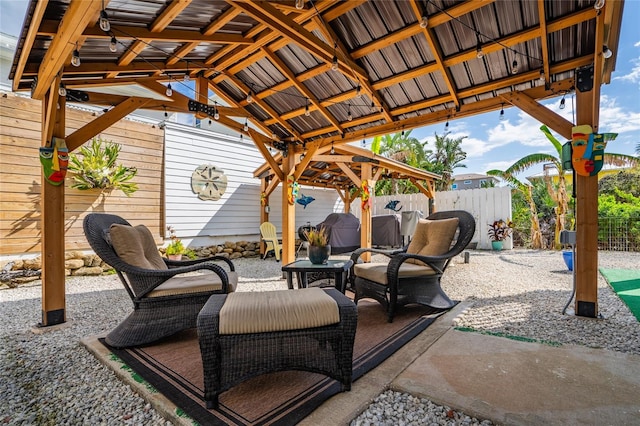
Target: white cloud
{"points": [[614, 118], [634, 75]]}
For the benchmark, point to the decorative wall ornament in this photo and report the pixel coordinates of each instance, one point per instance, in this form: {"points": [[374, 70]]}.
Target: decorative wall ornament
{"points": [[293, 188], [263, 198], [587, 157], [55, 159], [365, 204], [208, 182], [305, 200]]}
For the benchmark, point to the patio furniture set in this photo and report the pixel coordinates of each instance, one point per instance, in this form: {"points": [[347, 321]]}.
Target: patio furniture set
{"points": [[246, 334]]}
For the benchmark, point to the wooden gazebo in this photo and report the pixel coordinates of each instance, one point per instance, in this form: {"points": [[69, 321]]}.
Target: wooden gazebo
{"points": [[304, 76]]}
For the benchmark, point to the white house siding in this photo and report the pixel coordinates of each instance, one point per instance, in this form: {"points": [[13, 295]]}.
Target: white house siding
{"points": [[236, 216]]}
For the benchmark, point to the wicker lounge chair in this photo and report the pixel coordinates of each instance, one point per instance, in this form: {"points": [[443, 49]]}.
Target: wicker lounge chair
{"points": [[413, 273], [165, 301]]}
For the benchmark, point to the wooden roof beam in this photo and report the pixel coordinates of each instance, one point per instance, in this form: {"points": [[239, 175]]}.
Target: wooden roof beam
{"points": [[282, 67], [77, 17], [169, 13], [544, 115], [544, 41], [436, 50]]}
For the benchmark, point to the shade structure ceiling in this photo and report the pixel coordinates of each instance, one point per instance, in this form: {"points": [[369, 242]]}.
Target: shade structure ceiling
{"points": [[322, 72]]}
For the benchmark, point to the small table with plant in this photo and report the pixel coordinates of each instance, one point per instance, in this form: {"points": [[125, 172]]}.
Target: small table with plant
{"points": [[307, 272]]}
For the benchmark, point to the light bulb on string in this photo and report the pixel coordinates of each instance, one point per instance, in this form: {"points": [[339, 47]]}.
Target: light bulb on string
{"points": [[169, 91], [424, 21], [514, 67], [250, 96], [446, 125], [364, 143], [241, 137], [562, 104], [246, 125], [210, 122], [358, 89], [216, 114], [606, 52], [62, 90], [306, 109], [349, 116], [333, 151], [334, 60], [299, 4], [373, 107], [542, 77], [599, 4], [75, 57], [166, 115], [479, 52], [105, 25], [113, 45], [502, 113]]}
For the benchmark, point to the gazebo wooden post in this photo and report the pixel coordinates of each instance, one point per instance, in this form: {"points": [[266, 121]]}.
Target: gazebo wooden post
{"points": [[365, 214], [288, 210], [264, 214], [52, 218], [586, 265]]}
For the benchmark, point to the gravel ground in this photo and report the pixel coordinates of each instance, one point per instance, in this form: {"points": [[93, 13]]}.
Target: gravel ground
{"points": [[49, 378]]}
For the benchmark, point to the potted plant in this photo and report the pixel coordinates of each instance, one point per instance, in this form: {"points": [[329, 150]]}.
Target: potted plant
{"points": [[175, 249], [499, 231], [319, 248]]}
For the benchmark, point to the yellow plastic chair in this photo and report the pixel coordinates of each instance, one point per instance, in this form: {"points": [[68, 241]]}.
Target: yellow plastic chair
{"points": [[268, 232]]}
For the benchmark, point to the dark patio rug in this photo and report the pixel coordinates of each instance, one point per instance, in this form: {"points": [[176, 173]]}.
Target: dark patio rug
{"points": [[173, 367]]}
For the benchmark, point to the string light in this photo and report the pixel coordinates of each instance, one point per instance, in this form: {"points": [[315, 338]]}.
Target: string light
{"points": [[105, 25], [211, 123], [62, 90], [306, 109], [333, 151], [299, 4], [358, 88], [241, 137], [599, 4], [562, 105], [75, 57], [349, 116], [113, 44], [166, 115], [216, 114], [246, 125], [514, 67], [186, 74], [373, 107], [424, 21], [334, 61], [169, 91], [446, 125], [542, 76], [502, 113], [250, 96], [364, 143], [606, 52]]}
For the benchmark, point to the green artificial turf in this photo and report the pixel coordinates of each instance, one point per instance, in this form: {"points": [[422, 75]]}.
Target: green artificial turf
{"points": [[626, 284]]}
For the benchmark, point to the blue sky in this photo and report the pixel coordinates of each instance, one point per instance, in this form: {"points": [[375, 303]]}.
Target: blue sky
{"points": [[495, 144]]}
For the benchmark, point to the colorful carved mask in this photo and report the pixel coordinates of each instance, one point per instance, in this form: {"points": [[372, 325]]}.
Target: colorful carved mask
{"points": [[54, 160], [587, 157]]}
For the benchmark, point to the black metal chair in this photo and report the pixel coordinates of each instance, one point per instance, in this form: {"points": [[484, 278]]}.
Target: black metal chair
{"points": [[165, 300], [413, 273]]}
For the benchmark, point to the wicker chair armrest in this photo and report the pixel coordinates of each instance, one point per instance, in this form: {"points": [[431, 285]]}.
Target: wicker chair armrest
{"points": [[355, 256], [179, 263], [158, 276], [435, 262]]}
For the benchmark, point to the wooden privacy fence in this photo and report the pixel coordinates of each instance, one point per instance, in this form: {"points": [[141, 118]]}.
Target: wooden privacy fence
{"points": [[20, 180], [485, 204]]}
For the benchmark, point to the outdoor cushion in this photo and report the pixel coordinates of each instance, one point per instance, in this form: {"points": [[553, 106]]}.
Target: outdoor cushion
{"points": [[377, 272], [194, 284], [432, 237], [135, 245], [268, 311]]}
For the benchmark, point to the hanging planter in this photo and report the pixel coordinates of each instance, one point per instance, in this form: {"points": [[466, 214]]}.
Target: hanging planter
{"points": [[96, 168]]}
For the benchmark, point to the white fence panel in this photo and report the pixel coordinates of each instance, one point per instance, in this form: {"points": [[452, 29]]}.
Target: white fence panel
{"points": [[485, 204]]}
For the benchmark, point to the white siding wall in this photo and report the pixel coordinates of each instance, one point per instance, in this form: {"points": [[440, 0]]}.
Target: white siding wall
{"points": [[236, 216]]}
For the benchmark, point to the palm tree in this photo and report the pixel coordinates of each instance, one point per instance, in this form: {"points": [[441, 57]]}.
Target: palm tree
{"points": [[527, 192], [400, 147], [559, 192], [446, 156]]}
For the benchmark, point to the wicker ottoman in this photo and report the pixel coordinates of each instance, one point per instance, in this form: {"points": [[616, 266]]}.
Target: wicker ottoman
{"points": [[243, 335]]}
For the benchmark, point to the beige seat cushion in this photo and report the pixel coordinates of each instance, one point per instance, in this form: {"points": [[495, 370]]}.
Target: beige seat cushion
{"points": [[184, 284], [432, 237], [136, 246], [377, 272], [268, 311]]}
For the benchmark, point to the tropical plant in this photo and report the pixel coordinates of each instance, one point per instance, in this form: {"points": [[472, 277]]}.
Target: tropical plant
{"points": [[500, 230], [176, 246], [404, 148], [558, 191], [527, 192], [317, 237], [97, 168], [446, 156]]}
